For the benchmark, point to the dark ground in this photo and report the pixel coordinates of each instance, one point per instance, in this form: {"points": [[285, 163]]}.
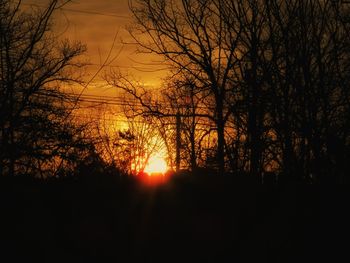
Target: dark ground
{"points": [[189, 219]]}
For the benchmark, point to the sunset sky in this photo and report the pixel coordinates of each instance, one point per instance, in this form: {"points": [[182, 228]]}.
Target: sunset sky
{"points": [[96, 23]]}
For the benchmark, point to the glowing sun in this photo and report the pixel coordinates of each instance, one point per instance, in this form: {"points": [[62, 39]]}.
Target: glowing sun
{"points": [[156, 164]]}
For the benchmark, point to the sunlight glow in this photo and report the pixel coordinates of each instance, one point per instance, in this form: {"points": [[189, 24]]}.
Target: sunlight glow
{"points": [[156, 164]]}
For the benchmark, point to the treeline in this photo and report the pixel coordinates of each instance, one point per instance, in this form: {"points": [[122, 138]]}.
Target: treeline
{"points": [[256, 87], [38, 134], [261, 86]]}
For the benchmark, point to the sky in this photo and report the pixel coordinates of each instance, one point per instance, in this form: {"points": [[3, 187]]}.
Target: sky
{"points": [[97, 23]]}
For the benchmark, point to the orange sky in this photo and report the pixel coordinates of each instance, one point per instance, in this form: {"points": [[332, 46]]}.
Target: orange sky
{"points": [[95, 23]]}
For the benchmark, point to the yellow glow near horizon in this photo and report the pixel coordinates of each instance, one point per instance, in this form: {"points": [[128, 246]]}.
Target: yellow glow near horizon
{"points": [[156, 164]]}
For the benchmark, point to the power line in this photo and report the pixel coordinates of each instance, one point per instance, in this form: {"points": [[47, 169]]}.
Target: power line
{"points": [[138, 68], [82, 11], [120, 120], [94, 13], [119, 101]]}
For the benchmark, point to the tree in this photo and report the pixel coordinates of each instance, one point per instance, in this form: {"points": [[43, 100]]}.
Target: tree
{"points": [[272, 76], [189, 106], [194, 40], [138, 144], [307, 73], [36, 133]]}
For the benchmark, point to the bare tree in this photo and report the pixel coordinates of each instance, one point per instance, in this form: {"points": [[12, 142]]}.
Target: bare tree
{"points": [[141, 141], [271, 75], [34, 129], [194, 40], [188, 104], [307, 73]]}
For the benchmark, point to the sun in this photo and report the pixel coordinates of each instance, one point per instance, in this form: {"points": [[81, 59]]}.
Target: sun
{"points": [[156, 164]]}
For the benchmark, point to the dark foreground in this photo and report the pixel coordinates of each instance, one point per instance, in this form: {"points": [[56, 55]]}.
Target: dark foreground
{"points": [[189, 219]]}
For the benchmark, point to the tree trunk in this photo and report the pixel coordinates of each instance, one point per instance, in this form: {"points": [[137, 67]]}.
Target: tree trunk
{"points": [[178, 141], [221, 135]]}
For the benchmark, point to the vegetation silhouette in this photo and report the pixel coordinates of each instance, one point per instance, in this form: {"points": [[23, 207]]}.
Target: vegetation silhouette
{"points": [[254, 115], [260, 86], [38, 137]]}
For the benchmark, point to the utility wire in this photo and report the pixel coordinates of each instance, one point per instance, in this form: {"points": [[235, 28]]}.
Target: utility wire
{"points": [[82, 11], [119, 101], [120, 120]]}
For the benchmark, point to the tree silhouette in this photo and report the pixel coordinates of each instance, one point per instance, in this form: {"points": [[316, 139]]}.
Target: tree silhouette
{"points": [[192, 37], [271, 76], [306, 75], [186, 101], [36, 133]]}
